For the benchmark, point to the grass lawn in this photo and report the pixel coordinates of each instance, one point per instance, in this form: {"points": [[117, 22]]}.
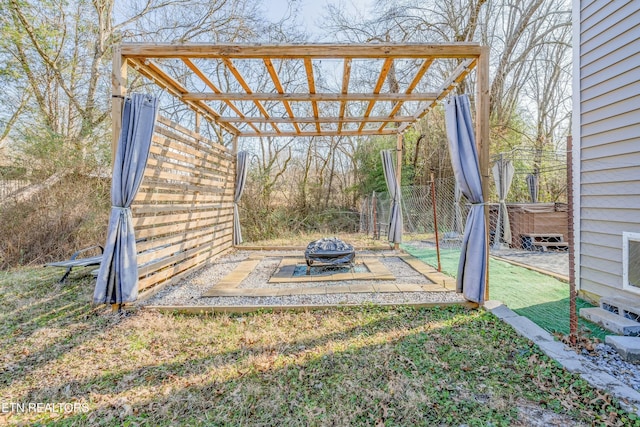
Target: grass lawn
{"points": [[349, 366]]}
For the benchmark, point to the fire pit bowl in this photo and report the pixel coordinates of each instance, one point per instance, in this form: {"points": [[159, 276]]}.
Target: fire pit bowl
{"points": [[329, 251]]}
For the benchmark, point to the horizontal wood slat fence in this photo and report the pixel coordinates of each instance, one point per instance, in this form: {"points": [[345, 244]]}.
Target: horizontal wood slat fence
{"points": [[183, 213]]}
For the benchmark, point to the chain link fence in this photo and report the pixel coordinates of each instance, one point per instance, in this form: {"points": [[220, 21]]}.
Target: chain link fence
{"points": [[9, 187], [534, 229], [419, 216]]}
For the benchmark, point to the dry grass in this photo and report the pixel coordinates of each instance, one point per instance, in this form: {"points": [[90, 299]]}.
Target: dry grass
{"points": [[351, 366], [71, 215]]}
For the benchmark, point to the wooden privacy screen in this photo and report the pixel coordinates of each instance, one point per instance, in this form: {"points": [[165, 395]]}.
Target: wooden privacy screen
{"points": [[183, 213]]}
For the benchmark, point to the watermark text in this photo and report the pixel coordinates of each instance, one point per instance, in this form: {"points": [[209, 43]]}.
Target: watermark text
{"points": [[41, 407]]}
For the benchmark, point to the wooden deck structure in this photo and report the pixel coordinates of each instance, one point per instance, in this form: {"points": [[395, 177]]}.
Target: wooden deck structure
{"points": [[189, 186]]}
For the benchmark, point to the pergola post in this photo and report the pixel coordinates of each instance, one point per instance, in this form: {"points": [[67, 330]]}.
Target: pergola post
{"points": [[399, 149], [482, 140], [118, 92]]}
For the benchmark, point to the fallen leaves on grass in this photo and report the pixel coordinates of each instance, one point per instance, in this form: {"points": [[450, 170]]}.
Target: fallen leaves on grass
{"points": [[348, 366]]}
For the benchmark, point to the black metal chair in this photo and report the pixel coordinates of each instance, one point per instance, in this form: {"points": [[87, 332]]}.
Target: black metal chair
{"points": [[74, 261]]}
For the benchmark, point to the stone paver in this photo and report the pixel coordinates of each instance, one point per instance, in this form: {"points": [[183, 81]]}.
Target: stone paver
{"points": [[233, 279], [229, 285], [385, 287], [429, 272], [361, 288], [611, 321], [410, 288], [321, 290], [627, 347], [340, 289]]}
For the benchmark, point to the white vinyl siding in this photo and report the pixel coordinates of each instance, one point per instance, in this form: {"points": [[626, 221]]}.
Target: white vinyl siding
{"points": [[609, 95]]}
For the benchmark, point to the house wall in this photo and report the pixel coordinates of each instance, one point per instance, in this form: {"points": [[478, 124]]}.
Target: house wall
{"points": [[183, 213], [608, 115]]}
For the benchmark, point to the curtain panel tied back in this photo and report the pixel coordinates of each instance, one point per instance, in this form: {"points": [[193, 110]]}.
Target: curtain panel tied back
{"points": [[395, 214], [117, 281], [503, 172], [241, 179], [464, 160]]}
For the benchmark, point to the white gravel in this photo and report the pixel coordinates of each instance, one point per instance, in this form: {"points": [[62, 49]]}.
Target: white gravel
{"points": [[188, 291], [331, 299]]}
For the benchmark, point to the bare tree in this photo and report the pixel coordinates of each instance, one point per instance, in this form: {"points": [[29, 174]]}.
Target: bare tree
{"points": [[530, 52], [59, 52]]}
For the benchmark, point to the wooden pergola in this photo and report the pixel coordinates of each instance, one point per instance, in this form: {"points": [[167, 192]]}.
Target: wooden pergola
{"points": [[268, 104]]}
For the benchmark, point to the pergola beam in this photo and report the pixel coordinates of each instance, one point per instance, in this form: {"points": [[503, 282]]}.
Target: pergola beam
{"points": [[295, 120], [305, 97], [291, 51], [321, 133]]}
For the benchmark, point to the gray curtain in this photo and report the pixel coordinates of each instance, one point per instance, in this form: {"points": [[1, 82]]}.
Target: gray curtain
{"points": [[503, 172], [118, 275], [456, 227], [532, 184], [464, 159], [241, 179], [395, 214]]}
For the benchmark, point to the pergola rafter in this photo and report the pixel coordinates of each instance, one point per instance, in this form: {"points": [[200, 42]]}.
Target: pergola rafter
{"points": [[416, 79], [297, 99], [213, 87], [346, 75], [388, 63], [276, 82], [308, 66], [236, 73]]}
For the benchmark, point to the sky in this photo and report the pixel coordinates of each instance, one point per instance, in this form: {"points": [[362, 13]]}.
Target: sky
{"points": [[311, 11]]}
